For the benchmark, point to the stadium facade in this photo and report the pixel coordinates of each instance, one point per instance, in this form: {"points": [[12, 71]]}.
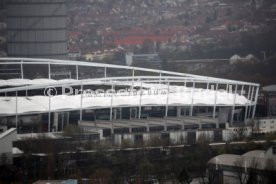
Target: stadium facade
{"points": [[103, 96]]}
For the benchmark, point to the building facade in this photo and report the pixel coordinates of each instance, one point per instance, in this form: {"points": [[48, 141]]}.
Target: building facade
{"points": [[37, 28], [6, 139]]}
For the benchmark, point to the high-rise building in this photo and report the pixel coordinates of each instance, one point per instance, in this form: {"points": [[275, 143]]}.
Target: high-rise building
{"points": [[37, 28]]}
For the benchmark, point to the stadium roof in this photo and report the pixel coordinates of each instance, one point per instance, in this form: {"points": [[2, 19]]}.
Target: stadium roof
{"points": [[160, 88], [270, 88]]}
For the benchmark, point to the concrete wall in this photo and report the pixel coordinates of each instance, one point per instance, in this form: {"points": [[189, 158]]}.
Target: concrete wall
{"points": [[208, 134], [181, 137], [6, 144], [175, 137], [178, 137], [119, 138]]}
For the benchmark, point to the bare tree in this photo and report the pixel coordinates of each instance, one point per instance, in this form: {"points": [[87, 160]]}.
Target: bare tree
{"points": [[240, 170], [145, 168], [253, 172], [203, 139], [184, 177], [203, 154], [247, 172], [101, 176], [3, 159], [269, 174]]}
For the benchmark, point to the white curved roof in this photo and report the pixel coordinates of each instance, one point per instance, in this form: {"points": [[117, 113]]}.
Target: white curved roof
{"points": [[270, 88], [249, 159], [225, 159], [255, 153], [181, 96]]}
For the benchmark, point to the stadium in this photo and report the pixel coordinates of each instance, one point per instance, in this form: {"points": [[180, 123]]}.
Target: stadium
{"points": [[113, 98]]}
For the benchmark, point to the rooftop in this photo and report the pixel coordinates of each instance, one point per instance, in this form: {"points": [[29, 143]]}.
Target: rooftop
{"points": [[4, 134], [255, 158], [270, 88], [255, 153]]}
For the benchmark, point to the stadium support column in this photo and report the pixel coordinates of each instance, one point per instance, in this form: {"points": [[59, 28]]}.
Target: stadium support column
{"points": [[49, 115], [167, 101], [251, 100], [115, 113], [133, 74], [160, 76], [49, 70], [135, 113], [215, 101], [246, 107], [55, 121], [112, 128], [233, 106], [68, 118], [242, 89], [81, 102], [21, 69], [16, 110], [227, 87], [184, 91], [178, 111], [120, 112], [129, 126], [255, 102], [147, 124], [77, 72], [111, 102], [105, 72], [185, 83], [62, 121], [140, 101], [192, 99]]}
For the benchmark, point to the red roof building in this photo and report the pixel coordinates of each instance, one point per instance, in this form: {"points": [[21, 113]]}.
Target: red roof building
{"points": [[140, 40]]}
